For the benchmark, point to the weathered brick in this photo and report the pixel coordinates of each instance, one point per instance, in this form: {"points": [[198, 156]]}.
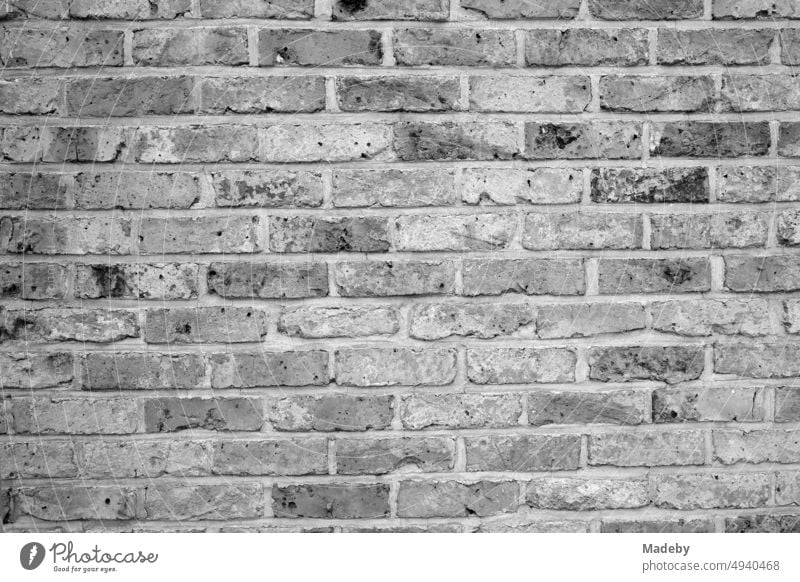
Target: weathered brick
{"points": [[387, 278], [763, 360], [787, 404], [395, 366], [760, 93], [607, 140], [433, 321], [198, 235], [576, 494], [303, 47], [634, 10], [647, 449], [68, 235], [75, 415], [750, 9], [31, 370], [527, 276], [508, 186], [658, 526], [268, 280], [190, 325], [711, 490], [529, 94], [335, 412], [99, 190], [468, 232], [790, 46], [165, 47], [707, 317], [588, 319], [717, 230], [271, 457], [763, 523], [43, 459], [788, 227], [613, 407], [670, 364], [71, 502], [791, 319], [207, 502], [789, 139], [523, 453], [196, 143], [267, 188], [393, 188], [222, 414], [142, 371], [129, 96], [32, 281], [31, 96], [639, 93], [129, 9], [581, 230], [389, 455], [391, 10], [313, 234], [120, 459], [80, 144], [282, 9], [453, 499], [422, 411], [621, 276], [57, 325], [752, 273], [33, 190], [54, 9], [520, 365], [412, 93], [454, 47], [137, 281], [60, 46], [332, 501], [245, 370], [715, 46], [448, 140], [787, 488], [324, 322], [758, 184], [709, 139], [327, 142], [293, 94], [756, 446], [517, 9], [586, 47]]}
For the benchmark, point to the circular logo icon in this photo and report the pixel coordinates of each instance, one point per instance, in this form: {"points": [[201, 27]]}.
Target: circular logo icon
{"points": [[31, 555]]}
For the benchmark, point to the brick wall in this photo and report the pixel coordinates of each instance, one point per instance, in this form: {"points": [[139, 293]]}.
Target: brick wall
{"points": [[402, 265]]}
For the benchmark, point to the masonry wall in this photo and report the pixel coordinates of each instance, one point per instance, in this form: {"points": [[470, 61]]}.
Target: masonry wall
{"points": [[400, 265]]}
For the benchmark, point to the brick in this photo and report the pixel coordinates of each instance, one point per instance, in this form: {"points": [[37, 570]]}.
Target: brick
{"points": [[614, 407], [328, 322], [60, 47], [59, 236], [520, 365], [53, 9], [454, 47], [670, 364], [509, 186], [327, 142], [526, 453], [395, 366], [198, 235], [420, 411], [206, 502], [165, 47], [789, 140], [178, 145], [471, 232], [586, 47], [271, 94], [581, 230], [433, 321], [137, 281], [134, 190], [268, 280], [282, 9], [413, 93], [768, 360], [705, 139], [633, 10], [142, 371], [658, 526], [717, 230], [756, 446], [388, 278], [312, 234], [331, 501], [31, 96], [219, 414], [70, 502], [641, 94], [787, 404], [271, 457], [587, 319], [790, 46], [151, 459], [526, 276], [334, 412], [401, 188], [605, 140], [33, 190], [21, 144], [453, 499], [43, 459], [58, 325], [391, 455], [715, 46], [267, 188], [711, 490], [75, 416], [647, 449], [34, 281], [704, 318], [129, 9], [787, 488], [390, 10], [81, 144], [32, 371], [518, 9], [129, 96], [246, 370], [529, 94], [304, 47], [788, 228], [750, 9], [191, 325], [748, 273], [763, 523], [791, 313], [448, 140], [758, 184], [621, 276], [759, 93], [576, 494]]}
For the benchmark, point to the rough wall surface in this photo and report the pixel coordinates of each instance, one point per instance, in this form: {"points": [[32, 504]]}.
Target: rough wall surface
{"points": [[400, 265]]}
